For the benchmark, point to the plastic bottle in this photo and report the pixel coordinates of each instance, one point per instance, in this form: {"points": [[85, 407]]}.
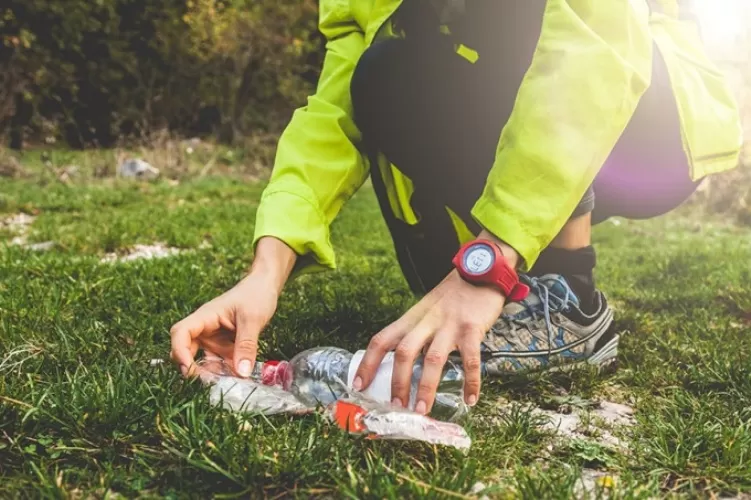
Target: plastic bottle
{"points": [[323, 375]]}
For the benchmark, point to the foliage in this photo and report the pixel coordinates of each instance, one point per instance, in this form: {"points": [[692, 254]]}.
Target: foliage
{"points": [[92, 71]]}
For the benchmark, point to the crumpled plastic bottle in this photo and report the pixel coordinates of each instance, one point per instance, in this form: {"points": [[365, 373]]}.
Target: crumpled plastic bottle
{"points": [[324, 374], [247, 395], [358, 414], [354, 412]]}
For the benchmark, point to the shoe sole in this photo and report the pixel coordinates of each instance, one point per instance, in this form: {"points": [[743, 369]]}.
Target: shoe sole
{"points": [[604, 360]]}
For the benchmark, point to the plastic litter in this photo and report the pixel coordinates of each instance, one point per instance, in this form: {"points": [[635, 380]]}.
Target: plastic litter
{"points": [[358, 414], [137, 169], [352, 411], [246, 395], [243, 395], [324, 374]]}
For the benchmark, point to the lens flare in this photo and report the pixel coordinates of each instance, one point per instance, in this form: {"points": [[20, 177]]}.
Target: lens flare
{"points": [[723, 22]]}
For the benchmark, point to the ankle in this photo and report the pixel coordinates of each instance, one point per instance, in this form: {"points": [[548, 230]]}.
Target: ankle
{"points": [[577, 268], [565, 261], [576, 234]]}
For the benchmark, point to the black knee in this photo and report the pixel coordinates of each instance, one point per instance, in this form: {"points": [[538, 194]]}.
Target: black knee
{"points": [[374, 87]]}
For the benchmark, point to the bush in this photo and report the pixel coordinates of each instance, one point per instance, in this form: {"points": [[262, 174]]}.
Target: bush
{"points": [[92, 72], [730, 193]]}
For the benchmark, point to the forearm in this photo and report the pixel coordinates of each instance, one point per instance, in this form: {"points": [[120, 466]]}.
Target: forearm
{"points": [[274, 260]]}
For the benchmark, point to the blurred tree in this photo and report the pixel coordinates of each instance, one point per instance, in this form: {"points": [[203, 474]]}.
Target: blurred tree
{"points": [[93, 71]]}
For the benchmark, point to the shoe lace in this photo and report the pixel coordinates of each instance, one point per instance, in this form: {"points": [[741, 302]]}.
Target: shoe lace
{"points": [[551, 304]]}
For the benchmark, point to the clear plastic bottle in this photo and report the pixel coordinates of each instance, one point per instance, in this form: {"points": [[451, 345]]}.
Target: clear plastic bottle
{"points": [[323, 375]]}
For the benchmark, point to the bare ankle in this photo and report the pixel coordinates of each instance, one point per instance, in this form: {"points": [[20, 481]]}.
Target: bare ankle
{"points": [[576, 234]]}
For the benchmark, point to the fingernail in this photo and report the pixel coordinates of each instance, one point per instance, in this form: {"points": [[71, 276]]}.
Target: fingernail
{"points": [[421, 408], [357, 385], [397, 402], [243, 369], [472, 400], [184, 370]]}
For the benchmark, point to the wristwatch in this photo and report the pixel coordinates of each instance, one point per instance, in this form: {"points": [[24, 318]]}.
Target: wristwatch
{"points": [[481, 262]]}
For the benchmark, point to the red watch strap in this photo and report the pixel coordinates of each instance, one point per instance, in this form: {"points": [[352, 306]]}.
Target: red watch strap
{"points": [[502, 275], [519, 293]]}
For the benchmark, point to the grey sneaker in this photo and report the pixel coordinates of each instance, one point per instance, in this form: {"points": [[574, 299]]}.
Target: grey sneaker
{"points": [[549, 330]]}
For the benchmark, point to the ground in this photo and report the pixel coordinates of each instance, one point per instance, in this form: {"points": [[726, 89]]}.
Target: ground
{"points": [[85, 413]]}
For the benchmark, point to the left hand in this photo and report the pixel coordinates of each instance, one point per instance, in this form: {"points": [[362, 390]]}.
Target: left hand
{"points": [[454, 315]]}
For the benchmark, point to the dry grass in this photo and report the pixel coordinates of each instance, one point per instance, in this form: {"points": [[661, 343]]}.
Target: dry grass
{"points": [[175, 158], [728, 194], [10, 166], [178, 158]]}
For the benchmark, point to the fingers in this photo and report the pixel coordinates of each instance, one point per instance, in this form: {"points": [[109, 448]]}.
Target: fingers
{"points": [[381, 343], [388, 338], [407, 352], [246, 342], [472, 365], [182, 339], [432, 371], [221, 345]]}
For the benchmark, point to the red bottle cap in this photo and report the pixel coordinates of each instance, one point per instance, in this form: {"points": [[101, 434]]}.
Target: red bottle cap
{"points": [[276, 373], [348, 416]]}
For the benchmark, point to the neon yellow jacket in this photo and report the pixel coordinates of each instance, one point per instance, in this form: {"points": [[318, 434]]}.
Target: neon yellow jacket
{"points": [[594, 57]]}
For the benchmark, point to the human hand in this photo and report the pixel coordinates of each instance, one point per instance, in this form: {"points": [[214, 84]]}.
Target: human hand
{"points": [[454, 315], [228, 327]]}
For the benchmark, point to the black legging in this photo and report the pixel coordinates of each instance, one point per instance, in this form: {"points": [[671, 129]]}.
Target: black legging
{"points": [[438, 118]]}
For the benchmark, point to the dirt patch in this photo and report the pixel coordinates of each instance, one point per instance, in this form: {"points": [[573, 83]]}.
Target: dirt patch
{"points": [[19, 225], [142, 252], [594, 484], [477, 490], [597, 423]]}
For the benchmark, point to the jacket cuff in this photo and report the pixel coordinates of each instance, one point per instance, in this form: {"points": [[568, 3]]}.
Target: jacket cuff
{"points": [[299, 223]]}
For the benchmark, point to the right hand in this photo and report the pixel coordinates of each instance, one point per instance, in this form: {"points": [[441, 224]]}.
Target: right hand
{"points": [[228, 327]]}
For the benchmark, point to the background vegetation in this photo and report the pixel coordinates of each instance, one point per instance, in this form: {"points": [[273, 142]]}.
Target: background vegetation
{"points": [[138, 73], [200, 89], [93, 72]]}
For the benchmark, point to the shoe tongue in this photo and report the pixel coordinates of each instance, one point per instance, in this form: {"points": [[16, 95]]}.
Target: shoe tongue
{"points": [[556, 285], [559, 287]]}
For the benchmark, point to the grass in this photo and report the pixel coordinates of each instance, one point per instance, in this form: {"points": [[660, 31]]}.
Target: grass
{"points": [[82, 413], [174, 157]]}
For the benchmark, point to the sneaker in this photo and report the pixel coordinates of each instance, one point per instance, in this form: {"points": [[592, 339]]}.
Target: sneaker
{"points": [[549, 330]]}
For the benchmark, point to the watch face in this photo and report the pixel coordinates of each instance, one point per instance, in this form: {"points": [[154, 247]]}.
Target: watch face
{"points": [[479, 259]]}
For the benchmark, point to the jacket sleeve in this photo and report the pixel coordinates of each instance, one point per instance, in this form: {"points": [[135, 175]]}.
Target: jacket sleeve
{"points": [[318, 166], [589, 71]]}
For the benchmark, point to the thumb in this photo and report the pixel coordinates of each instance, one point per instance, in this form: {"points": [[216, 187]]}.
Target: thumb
{"points": [[246, 343]]}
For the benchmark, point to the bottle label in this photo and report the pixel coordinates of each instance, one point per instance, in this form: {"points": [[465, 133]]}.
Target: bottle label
{"points": [[380, 388]]}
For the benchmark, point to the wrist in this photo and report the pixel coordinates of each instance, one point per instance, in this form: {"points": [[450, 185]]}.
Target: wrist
{"points": [[509, 253], [483, 261], [273, 263]]}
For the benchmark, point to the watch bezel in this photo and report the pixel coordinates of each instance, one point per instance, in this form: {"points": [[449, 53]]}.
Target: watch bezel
{"points": [[473, 248], [500, 274]]}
